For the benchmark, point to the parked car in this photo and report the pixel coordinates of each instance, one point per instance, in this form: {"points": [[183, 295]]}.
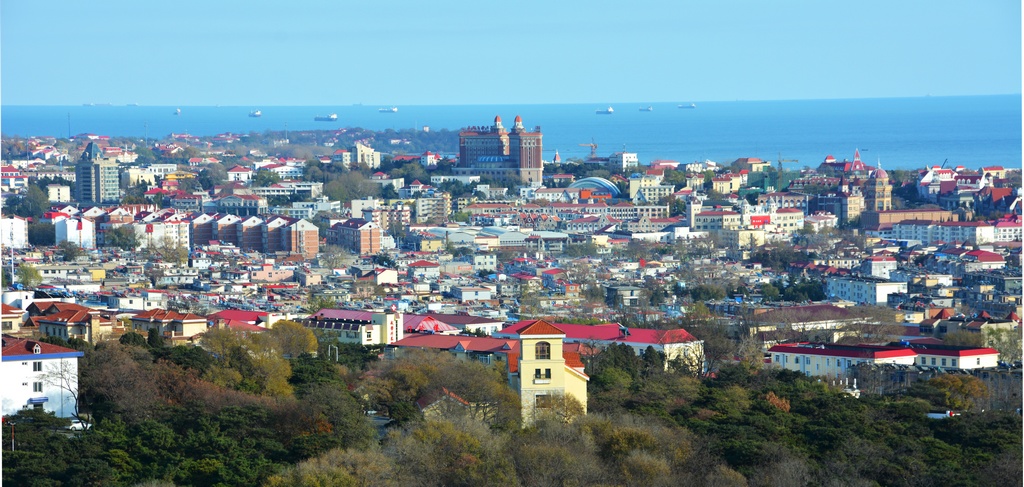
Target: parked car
{"points": [[79, 425]]}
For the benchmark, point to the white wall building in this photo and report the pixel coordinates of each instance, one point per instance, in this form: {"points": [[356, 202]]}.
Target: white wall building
{"points": [[863, 290], [79, 231], [23, 372], [14, 232]]}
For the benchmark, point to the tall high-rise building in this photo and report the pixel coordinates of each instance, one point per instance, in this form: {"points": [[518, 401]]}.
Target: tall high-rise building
{"points": [[97, 178], [499, 153]]}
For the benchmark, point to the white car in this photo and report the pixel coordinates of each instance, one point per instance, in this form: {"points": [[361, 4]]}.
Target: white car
{"points": [[79, 425]]}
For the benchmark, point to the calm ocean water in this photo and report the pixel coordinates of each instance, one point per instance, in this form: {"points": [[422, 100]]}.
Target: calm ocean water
{"points": [[901, 132]]}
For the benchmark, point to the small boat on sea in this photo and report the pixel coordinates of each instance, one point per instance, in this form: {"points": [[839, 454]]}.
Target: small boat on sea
{"points": [[692, 105], [177, 112], [256, 114], [388, 110], [329, 118], [647, 109], [607, 111]]}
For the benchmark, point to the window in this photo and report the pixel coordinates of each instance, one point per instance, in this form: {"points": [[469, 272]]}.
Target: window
{"points": [[954, 363], [543, 401], [536, 374], [978, 362], [542, 351], [37, 387], [933, 360], [37, 366], [796, 360], [924, 361], [547, 373], [943, 362]]}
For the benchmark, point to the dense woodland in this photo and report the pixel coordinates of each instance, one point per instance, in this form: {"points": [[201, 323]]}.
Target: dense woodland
{"points": [[235, 412]]}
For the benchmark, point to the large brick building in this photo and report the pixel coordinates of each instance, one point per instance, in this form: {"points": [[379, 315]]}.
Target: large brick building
{"points": [[357, 235], [499, 153]]}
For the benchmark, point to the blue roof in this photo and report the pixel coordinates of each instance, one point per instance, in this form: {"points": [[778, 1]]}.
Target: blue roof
{"points": [[596, 183]]}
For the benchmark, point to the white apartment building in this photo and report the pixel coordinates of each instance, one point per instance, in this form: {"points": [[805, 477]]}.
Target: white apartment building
{"points": [[23, 376], [14, 232], [863, 290]]}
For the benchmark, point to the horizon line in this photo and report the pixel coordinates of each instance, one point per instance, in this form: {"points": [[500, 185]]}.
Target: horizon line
{"points": [[133, 104]]}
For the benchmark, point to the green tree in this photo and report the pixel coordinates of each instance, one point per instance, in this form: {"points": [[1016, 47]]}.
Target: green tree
{"points": [[317, 302], [963, 338], [134, 339], [122, 237], [960, 390], [70, 251], [42, 234], [29, 276], [292, 338], [33, 204], [265, 178]]}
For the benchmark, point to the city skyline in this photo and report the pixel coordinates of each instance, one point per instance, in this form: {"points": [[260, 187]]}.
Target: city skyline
{"points": [[412, 53]]}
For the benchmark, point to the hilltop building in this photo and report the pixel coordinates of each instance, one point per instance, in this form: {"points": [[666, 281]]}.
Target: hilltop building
{"points": [[499, 153]]}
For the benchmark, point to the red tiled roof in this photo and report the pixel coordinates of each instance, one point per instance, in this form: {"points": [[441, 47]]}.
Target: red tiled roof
{"points": [[20, 346], [540, 327]]}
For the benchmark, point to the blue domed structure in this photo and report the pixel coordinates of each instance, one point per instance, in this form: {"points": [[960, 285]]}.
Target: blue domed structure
{"points": [[600, 184]]}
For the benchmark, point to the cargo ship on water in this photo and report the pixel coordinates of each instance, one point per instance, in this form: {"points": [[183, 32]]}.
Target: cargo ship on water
{"points": [[329, 118]]}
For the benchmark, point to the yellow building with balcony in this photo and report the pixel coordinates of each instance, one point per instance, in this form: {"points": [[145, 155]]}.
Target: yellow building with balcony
{"points": [[544, 374]]}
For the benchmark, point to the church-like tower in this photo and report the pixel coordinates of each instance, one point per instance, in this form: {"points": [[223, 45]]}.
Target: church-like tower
{"points": [[878, 191]]}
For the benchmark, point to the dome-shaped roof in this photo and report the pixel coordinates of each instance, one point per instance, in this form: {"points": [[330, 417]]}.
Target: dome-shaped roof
{"points": [[830, 158], [497, 119], [519, 119], [880, 174], [596, 183]]}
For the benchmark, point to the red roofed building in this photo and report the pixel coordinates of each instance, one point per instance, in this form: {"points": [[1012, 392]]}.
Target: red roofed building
{"points": [[171, 325], [675, 344], [543, 373]]}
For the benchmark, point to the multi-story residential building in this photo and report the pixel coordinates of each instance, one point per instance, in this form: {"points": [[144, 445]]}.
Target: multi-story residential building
{"points": [[882, 220], [927, 232], [362, 327], [498, 153], [878, 266], [648, 188], [726, 183], [716, 220], [58, 193], [243, 205], [847, 206], [13, 232], [97, 180], [357, 235], [239, 173], [365, 156], [171, 325], [190, 202], [79, 231], [622, 161], [791, 199], [863, 290], [28, 371], [432, 210]]}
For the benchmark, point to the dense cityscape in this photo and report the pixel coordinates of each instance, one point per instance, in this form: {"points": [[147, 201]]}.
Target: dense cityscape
{"points": [[351, 307]]}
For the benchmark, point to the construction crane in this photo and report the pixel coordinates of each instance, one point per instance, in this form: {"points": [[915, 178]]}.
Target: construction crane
{"points": [[781, 160], [593, 148]]}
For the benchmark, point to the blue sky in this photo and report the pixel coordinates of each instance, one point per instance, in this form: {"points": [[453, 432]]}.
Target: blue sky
{"points": [[263, 53]]}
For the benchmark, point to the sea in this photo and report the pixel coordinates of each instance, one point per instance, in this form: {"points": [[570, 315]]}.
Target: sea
{"points": [[899, 133]]}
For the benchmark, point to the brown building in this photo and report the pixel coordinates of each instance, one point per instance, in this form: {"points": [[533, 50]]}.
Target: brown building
{"points": [[357, 235], [499, 153], [880, 220]]}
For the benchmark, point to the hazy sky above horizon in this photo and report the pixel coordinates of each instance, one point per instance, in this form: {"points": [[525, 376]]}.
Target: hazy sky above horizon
{"points": [[264, 53]]}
